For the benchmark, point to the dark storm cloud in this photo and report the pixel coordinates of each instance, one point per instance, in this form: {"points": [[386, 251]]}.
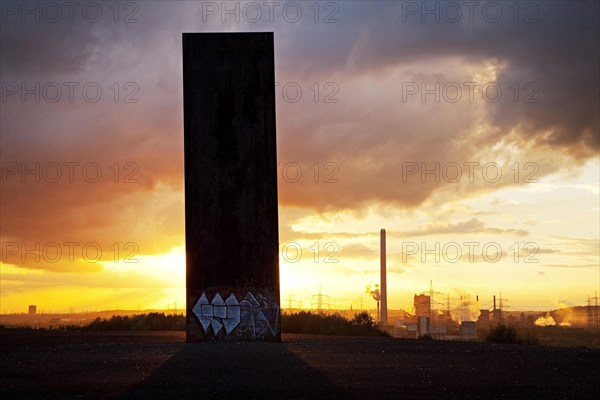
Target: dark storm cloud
{"points": [[369, 133], [44, 49], [553, 62], [559, 53]]}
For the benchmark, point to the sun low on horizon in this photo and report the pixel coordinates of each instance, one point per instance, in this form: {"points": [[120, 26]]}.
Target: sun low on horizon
{"points": [[475, 145]]}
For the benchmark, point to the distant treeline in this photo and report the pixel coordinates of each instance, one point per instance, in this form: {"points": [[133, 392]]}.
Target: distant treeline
{"points": [[334, 324], [361, 324], [139, 322]]}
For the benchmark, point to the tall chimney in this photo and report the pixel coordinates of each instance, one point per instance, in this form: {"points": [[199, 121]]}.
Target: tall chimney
{"points": [[383, 285]]}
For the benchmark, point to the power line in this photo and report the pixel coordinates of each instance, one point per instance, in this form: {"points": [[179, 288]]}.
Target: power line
{"points": [[319, 301], [292, 301]]}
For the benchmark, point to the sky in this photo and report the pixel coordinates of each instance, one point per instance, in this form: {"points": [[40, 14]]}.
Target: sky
{"points": [[468, 130]]}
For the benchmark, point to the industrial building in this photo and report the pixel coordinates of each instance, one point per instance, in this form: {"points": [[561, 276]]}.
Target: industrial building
{"points": [[468, 330]]}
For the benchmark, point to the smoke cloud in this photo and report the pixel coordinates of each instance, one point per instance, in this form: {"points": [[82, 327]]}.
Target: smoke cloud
{"points": [[375, 293], [545, 321], [466, 310]]}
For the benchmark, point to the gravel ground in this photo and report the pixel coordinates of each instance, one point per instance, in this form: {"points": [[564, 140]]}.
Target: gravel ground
{"points": [[159, 365]]}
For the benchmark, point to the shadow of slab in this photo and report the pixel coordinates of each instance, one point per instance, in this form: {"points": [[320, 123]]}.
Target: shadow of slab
{"points": [[235, 371]]}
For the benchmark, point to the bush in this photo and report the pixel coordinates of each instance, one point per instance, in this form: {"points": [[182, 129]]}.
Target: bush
{"points": [[309, 323], [509, 334], [139, 322], [363, 320]]}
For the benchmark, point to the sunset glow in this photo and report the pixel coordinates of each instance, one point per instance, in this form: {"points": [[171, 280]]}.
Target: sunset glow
{"points": [[383, 121]]}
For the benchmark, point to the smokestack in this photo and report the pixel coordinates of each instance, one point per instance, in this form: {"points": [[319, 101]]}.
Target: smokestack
{"points": [[494, 302], [383, 286]]}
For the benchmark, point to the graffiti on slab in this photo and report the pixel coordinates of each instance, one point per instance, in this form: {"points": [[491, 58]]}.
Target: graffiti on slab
{"points": [[253, 317]]}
